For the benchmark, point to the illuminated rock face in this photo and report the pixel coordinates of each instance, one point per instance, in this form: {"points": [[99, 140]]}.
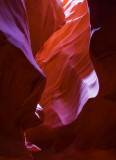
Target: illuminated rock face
{"points": [[71, 79], [92, 134], [66, 63]]}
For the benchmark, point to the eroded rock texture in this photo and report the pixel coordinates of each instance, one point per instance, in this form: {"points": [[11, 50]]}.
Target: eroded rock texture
{"points": [[21, 80], [66, 63], [92, 134], [70, 131]]}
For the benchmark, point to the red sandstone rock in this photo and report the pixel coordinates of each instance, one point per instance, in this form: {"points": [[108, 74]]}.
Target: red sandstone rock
{"points": [[45, 17]]}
